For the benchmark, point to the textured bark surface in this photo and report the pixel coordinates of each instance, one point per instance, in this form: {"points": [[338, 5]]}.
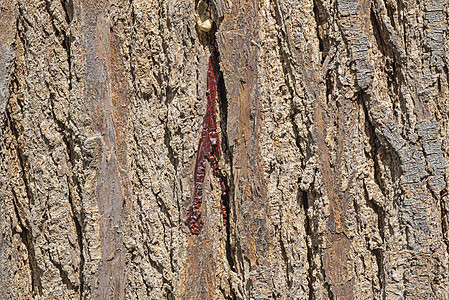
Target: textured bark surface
{"points": [[333, 122]]}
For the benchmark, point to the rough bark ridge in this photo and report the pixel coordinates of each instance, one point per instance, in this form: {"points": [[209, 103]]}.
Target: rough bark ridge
{"points": [[333, 118]]}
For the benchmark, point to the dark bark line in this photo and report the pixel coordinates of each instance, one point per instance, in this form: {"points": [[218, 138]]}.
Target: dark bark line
{"points": [[223, 104], [376, 205]]}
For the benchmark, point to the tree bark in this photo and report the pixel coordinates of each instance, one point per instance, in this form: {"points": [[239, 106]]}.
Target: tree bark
{"points": [[333, 124]]}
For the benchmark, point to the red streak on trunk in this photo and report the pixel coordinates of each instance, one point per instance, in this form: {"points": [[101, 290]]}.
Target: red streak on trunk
{"points": [[208, 150]]}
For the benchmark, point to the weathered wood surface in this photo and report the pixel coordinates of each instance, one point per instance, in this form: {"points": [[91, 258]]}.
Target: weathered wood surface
{"points": [[333, 118]]}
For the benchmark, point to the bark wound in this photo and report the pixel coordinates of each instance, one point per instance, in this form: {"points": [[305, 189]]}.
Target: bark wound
{"points": [[200, 281], [208, 149]]}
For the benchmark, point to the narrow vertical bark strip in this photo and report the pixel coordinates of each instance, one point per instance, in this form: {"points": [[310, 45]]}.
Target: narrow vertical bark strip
{"points": [[6, 50], [99, 97], [238, 38]]}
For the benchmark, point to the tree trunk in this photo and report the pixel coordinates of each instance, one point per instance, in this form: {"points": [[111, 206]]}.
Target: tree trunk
{"points": [[333, 124]]}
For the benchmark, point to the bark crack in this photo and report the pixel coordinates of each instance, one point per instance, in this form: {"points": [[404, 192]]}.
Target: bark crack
{"points": [[290, 80], [26, 234], [444, 221], [64, 275], [228, 157], [308, 231], [321, 20], [379, 251], [67, 138], [79, 235], [378, 209], [384, 32], [285, 258], [67, 5]]}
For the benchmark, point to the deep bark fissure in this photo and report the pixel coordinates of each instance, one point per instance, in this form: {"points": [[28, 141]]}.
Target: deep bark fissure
{"points": [[26, 225], [326, 284], [67, 138], [384, 32], [66, 44], [284, 257], [390, 12], [164, 209], [132, 70], [308, 231], [79, 236], [388, 45], [444, 218], [378, 252], [329, 85], [22, 158], [64, 275], [168, 287], [379, 210], [22, 19], [67, 5], [171, 153], [402, 21], [50, 11], [446, 72], [370, 131], [26, 238], [154, 263], [321, 19], [380, 36], [21, 219], [168, 284], [227, 155], [169, 94]]}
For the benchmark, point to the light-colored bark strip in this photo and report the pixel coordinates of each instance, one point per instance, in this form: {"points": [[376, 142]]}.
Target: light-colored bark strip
{"points": [[104, 96]]}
